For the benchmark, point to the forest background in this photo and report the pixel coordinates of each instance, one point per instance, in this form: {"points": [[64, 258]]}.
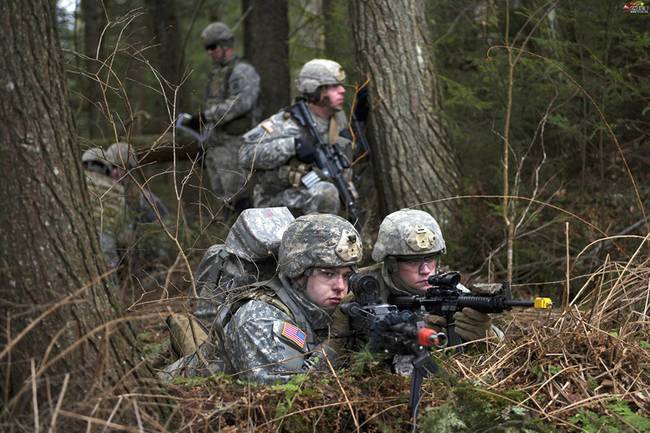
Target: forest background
{"points": [[541, 113]]}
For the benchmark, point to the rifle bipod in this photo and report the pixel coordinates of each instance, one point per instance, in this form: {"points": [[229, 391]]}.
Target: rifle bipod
{"points": [[423, 365]]}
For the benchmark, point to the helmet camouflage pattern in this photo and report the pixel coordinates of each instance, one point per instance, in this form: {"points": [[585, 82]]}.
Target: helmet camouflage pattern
{"points": [[96, 154], [257, 232], [215, 33], [408, 232], [319, 72], [121, 155], [318, 240]]}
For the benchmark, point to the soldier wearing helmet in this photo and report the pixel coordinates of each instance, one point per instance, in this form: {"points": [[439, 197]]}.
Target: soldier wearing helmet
{"points": [[287, 325], [140, 238], [282, 151], [408, 248], [232, 105], [107, 201]]}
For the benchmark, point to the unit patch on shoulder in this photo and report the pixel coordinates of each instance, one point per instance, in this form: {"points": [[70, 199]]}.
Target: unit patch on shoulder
{"points": [[267, 126], [294, 334]]}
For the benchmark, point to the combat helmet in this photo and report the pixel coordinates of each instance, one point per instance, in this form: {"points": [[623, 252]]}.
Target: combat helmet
{"points": [[408, 232], [318, 240], [95, 159], [217, 33], [121, 155], [257, 233], [319, 72]]}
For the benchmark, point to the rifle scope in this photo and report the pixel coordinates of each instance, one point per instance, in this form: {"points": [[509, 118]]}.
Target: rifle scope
{"points": [[448, 279]]}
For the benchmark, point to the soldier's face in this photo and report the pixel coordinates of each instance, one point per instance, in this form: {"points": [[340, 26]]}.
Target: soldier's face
{"points": [[416, 272], [333, 96], [216, 53], [326, 287]]}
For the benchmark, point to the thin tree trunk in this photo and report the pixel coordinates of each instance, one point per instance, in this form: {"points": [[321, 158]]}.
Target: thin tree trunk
{"points": [[266, 46], [413, 163], [50, 255], [167, 37], [94, 20]]}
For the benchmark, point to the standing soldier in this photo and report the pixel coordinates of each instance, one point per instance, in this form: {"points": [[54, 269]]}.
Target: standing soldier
{"points": [[283, 151], [232, 105]]}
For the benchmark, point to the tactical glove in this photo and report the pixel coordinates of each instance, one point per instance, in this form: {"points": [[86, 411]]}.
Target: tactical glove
{"points": [[433, 321], [339, 327], [471, 324], [305, 149], [194, 122]]}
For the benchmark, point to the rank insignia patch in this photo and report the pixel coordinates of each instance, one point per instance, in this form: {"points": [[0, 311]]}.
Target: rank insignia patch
{"points": [[294, 334]]}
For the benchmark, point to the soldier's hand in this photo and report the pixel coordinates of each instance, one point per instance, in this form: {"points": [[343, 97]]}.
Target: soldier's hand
{"points": [[340, 321], [194, 122], [305, 149], [471, 324], [434, 321]]}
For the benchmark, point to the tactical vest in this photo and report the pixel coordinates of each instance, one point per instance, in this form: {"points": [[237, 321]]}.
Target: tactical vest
{"points": [[217, 92], [271, 292]]}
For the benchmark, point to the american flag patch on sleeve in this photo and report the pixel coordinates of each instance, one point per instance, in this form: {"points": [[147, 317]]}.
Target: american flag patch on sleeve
{"points": [[294, 334]]}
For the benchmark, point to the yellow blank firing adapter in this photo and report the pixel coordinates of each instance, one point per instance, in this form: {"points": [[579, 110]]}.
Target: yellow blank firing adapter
{"points": [[543, 303]]}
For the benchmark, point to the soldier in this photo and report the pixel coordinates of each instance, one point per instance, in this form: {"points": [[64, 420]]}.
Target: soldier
{"points": [[107, 201], [141, 236], [232, 104], [409, 245], [282, 151], [288, 324], [249, 255]]}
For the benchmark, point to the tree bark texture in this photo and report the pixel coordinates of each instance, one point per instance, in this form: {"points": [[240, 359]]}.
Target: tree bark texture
{"points": [[266, 46], [413, 163], [94, 19], [49, 249]]}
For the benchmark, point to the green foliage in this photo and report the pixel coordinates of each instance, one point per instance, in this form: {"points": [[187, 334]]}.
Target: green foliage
{"points": [[622, 419], [291, 390], [469, 408]]}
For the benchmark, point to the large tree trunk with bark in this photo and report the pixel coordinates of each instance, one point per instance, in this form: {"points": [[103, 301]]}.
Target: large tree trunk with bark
{"points": [[266, 46], [57, 312], [413, 163], [94, 19]]}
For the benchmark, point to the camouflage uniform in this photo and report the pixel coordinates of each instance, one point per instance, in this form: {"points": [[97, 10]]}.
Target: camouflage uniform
{"points": [[415, 234], [269, 149], [232, 103], [278, 331], [141, 223], [248, 256], [273, 331], [107, 202]]}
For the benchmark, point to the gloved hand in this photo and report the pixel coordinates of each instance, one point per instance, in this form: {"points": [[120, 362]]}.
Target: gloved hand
{"points": [[334, 345], [471, 324], [433, 321], [194, 122], [305, 149], [340, 324]]}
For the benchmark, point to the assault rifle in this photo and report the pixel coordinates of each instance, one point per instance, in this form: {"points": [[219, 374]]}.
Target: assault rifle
{"points": [[329, 159], [392, 331], [444, 298]]}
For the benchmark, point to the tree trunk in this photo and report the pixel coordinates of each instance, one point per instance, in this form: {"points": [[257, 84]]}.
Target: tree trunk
{"points": [[266, 46], [413, 163], [94, 20], [50, 256], [169, 63]]}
